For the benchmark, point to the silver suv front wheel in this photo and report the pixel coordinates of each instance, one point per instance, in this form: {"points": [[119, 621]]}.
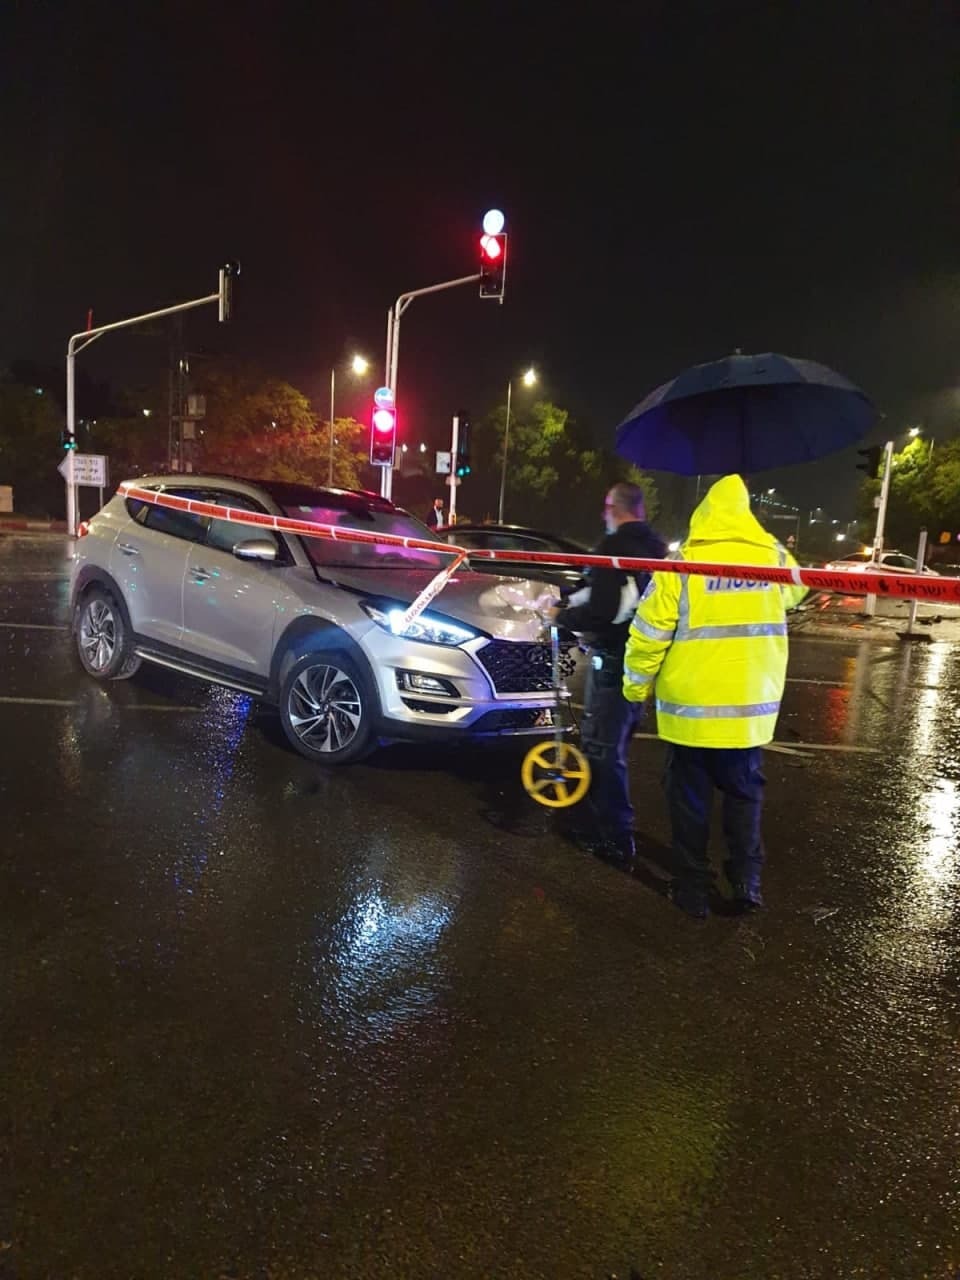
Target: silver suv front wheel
{"points": [[327, 710]]}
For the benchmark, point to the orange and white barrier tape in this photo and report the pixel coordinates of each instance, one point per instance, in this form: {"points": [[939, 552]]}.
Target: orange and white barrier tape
{"points": [[906, 586]]}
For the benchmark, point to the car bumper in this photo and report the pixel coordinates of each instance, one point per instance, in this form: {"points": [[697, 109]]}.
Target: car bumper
{"points": [[470, 706]]}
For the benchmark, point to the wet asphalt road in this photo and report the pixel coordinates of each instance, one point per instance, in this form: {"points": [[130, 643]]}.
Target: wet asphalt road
{"points": [[265, 1022]]}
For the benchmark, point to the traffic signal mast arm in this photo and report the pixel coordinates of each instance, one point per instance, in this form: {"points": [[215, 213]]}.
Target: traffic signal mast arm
{"points": [[79, 341], [493, 252], [393, 350]]}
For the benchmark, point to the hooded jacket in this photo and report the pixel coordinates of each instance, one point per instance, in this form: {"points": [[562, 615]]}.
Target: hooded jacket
{"points": [[713, 650]]}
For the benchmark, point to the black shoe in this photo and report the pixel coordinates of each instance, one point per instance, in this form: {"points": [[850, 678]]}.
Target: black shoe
{"points": [[689, 899], [745, 898], [619, 851]]}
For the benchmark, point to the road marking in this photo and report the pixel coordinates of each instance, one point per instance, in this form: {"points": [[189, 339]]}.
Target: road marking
{"points": [[794, 748], [157, 706], [833, 684], [33, 626], [40, 702], [67, 702]]}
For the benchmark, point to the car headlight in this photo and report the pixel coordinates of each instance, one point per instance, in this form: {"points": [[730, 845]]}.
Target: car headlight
{"points": [[427, 628]]}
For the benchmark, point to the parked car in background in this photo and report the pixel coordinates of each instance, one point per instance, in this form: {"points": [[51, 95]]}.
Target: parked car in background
{"points": [[511, 537], [889, 562]]}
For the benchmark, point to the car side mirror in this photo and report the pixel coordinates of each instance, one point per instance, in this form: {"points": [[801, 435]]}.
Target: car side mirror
{"points": [[263, 549]]}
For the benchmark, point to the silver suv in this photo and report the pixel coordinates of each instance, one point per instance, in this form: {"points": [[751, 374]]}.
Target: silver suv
{"points": [[311, 626]]}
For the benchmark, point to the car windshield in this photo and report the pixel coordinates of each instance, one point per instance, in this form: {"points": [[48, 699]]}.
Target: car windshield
{"points": [[326, 554]]}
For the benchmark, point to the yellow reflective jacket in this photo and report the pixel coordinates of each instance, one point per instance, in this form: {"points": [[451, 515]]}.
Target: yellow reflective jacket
{"points": [[714, 650]]}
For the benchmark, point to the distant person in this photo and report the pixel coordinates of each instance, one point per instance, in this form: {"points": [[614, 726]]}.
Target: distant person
{"points": [[713, 653], [435, 518], [602, 613]]}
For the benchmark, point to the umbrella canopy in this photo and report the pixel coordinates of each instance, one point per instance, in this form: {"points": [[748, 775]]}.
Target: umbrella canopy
{"points": [[745, 414]]}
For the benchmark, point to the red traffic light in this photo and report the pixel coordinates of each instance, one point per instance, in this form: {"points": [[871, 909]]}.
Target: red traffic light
{"points": [[383, 437], [493, 265], [491, 248]]}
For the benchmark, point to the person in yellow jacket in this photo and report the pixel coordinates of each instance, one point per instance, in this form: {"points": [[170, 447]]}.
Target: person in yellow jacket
{"points": [[713, 653]]}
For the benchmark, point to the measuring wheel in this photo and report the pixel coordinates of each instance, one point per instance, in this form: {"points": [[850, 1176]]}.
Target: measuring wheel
{"points": [[556, 774]]}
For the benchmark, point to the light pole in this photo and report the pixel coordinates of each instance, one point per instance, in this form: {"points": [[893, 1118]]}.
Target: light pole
{"points": [[359, 366], [529, 379]]}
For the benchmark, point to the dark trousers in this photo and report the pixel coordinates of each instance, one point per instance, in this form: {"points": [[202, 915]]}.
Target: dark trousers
{"points": [[608, 724], [691, 775]]}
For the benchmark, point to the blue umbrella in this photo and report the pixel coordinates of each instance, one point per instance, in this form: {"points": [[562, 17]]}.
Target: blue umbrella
{"points": [[745, 414]]}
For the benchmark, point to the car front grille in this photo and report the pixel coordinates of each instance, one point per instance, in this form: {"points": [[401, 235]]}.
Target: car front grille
{"points": [[516, 667]]}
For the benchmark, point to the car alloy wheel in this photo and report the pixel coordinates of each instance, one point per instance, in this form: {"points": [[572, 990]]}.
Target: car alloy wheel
{"points": [[97, 635], [325, 709]]}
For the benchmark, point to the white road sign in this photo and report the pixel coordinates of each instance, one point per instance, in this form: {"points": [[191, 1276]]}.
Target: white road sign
{"points": [[88, 468], [443, 462]]}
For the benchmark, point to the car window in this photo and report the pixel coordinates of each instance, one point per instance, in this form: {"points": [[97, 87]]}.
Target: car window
{"points": [[178, 524], [899, 562], [473, 538], [225, 534], [365, 555]]}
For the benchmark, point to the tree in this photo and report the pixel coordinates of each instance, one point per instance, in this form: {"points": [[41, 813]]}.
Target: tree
{"points": [[924, 493], [30, 427], [263, 427]]}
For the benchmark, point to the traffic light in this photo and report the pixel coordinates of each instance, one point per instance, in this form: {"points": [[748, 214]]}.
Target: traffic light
{"points": [[493, 265], [872, 464], [228, 273], [463, 467], [383, 435], [493, 255], [68, 440]]}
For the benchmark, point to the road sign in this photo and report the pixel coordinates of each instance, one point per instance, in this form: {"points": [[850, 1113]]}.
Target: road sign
{"points": [[88, 468], [444, 461], [383, 398]]}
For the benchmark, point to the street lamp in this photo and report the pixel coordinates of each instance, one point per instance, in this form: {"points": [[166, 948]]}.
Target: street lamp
{"points": [[529, 379], [358, 367]]}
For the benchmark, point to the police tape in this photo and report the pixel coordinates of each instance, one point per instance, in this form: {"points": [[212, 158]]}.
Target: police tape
{"points": [[930, 589]]}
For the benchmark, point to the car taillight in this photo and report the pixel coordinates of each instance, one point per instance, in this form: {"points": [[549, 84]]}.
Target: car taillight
{"points": [[83, 528]]}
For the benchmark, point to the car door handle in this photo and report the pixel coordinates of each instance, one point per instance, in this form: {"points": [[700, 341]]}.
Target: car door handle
{"points": [[200, 573], [128, 548]]}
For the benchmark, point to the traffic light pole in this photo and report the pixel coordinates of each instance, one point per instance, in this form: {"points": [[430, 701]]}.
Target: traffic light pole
{"points": [[871, 603], [454, 444], [393, 353], [80, 341]]}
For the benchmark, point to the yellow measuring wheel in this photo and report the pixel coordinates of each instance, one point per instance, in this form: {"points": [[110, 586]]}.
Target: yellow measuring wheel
{"points": [[556, 774]]}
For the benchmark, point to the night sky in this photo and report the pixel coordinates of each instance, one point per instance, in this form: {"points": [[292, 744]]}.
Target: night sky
{"points": [[679, 179]]}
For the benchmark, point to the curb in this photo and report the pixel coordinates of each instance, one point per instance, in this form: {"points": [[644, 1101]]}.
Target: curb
{"points": [[32, 526], [835, 629]]}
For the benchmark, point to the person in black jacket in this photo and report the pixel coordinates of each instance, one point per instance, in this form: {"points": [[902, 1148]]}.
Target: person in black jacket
{"points": [[602, 612]]}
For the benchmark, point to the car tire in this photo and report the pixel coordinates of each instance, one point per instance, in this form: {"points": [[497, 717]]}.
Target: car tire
{"points": [[103, 638], [328, 708]]}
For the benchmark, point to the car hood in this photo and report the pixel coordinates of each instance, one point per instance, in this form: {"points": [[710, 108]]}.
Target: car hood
{"points": [[504, 607]]}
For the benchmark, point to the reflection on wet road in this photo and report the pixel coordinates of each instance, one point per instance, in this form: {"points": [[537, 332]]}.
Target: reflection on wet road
{"points": [[266, 1021]]}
